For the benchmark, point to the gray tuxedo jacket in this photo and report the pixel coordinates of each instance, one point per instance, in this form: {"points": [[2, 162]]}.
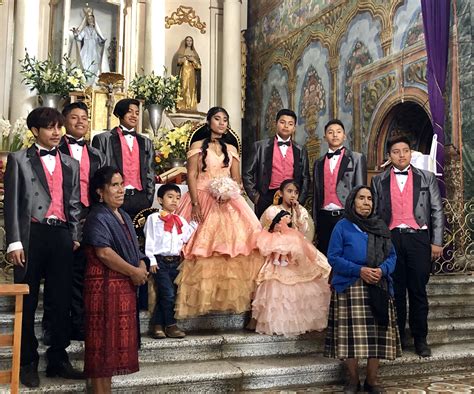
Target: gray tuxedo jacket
{"points": [[352, 172], [257, 171], [109, 144], [427, 205], [27, 196]]}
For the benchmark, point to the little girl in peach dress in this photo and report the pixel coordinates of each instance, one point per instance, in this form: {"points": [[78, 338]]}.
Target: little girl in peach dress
{"points": [[221, 260], [292, 299]]}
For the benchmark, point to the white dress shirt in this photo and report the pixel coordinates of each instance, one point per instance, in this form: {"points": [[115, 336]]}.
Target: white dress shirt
{"points": [[165, 243], [76, 149], [129, 138], [283, 148]]}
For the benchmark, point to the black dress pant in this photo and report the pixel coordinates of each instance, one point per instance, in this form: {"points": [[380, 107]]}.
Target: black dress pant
{"points": [[325, 223], [50, 255], [264, 201], [411, 275]]}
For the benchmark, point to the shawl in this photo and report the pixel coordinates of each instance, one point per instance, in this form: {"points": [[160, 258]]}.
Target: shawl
{"points": [[103, 229]]}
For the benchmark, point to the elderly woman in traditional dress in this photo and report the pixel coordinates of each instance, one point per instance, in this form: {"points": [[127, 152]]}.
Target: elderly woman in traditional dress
{"points": [[115, 267], [362, 321]]}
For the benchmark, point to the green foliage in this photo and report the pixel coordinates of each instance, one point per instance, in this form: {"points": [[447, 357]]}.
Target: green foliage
{"points": [[156, 89]]}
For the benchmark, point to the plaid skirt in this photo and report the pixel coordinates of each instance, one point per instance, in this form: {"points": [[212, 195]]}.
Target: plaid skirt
{"points": [[353, 332]]}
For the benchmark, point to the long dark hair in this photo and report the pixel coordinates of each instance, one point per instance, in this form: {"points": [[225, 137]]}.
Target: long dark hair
{"points": [[102, 177], [222, 141], [277, 219]]}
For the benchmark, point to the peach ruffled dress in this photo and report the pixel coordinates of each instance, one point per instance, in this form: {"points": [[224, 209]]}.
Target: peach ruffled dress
{"points": [[221, 260], [294, 299]]}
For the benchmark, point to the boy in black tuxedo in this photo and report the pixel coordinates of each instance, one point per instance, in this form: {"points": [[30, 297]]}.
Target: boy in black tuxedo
{"points": [[334, 175], [274, 160]]}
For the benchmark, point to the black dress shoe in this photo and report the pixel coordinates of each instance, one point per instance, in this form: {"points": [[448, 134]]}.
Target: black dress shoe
{"points": [[64, 370], [372, 389], [422, 348], [29, 375]]}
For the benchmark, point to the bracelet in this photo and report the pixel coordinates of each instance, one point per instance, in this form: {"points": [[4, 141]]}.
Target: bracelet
{"points": [[195, 204]]}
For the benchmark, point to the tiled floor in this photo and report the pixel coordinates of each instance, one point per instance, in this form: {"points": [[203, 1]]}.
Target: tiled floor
{"points": [[436, 384]]}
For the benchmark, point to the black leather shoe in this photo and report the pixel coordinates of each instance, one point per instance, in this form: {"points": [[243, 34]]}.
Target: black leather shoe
{"points": [[422, 348], [64, 370], [372, 389], [29, 375], [352, 388]]}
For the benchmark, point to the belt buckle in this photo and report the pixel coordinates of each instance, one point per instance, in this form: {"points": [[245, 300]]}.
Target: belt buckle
{"points": [[336, 213], [130, 192], [51, 221]]}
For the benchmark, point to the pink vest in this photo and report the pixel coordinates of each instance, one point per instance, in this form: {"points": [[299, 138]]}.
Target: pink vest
{"points": [[330, 183], [130, 163], [55, 185], [402, 203], [282, 167], [84, 167]]}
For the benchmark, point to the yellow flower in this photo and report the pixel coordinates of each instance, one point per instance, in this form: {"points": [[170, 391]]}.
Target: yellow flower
{"points": [[158, 159]]}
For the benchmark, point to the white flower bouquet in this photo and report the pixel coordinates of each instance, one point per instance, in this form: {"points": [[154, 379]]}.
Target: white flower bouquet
{"points": [[224, 189]]}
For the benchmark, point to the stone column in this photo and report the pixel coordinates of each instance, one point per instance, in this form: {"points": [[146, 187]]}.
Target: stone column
{"points": [[154, 59], [231, 63], [27, 34]]}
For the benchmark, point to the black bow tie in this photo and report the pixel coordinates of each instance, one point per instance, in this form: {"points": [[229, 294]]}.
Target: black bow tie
{"points": [[44, 152], [401, 172], [133, 133], [74, 141], [287, 143], [336, 153]]}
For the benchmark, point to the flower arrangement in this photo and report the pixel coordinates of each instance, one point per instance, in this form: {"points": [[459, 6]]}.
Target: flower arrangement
{"points": [[171, 145], [156, 89], [16, 137], [224, 189], [48, 77]]}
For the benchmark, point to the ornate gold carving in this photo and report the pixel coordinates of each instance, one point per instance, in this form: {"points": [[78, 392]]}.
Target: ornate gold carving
{"points": [[313, 146], [386, 37], [371, 94], [187, 15], [416, 72], [331, 18]]}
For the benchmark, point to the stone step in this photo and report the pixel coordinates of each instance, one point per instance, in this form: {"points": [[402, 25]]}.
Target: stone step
{"points": [[451, 284], [262, 373], [451, 306], [445, 331], [203, 346]]}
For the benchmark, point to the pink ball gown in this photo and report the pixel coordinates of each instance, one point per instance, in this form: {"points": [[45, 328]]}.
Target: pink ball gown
{"points": [[221, 258], [294, 299]]}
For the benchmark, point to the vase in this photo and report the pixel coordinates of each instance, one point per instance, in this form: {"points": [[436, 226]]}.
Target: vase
{"points": [[49, 100], [155, 112], [177, 162]]}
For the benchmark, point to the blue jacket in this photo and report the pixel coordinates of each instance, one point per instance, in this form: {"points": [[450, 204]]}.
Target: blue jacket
{"points": [[347, 254]]}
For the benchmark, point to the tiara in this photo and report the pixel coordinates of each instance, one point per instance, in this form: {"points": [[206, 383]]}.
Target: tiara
{"points": [[88, 10]]}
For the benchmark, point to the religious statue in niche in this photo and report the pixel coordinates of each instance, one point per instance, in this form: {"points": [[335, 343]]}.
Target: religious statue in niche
{"points": [[312, 101], [90, 45], [189, 71], [274, 105]]}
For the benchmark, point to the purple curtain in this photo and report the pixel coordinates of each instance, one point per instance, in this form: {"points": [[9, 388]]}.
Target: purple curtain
{"points": [[436, 17]]}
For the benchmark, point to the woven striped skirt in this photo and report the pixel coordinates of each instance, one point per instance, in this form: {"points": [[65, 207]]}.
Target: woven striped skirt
{"points": [[353, 332]]}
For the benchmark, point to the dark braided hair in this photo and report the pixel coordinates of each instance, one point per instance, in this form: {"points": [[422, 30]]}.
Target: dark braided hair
{"points": [[277, 219], [222, 141]]}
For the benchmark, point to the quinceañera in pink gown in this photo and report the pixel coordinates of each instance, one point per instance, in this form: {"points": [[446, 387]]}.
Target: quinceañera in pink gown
{"points": [[221, 261], [293, 299]]}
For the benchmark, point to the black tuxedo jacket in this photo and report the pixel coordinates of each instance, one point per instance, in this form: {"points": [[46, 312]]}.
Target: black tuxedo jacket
{"points": [[109, 144], [258, 169], [27, 195], [352, 172], [427, 204]]}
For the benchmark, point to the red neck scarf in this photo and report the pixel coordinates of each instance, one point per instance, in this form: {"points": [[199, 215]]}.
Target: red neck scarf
{"points": [[171, 220]]}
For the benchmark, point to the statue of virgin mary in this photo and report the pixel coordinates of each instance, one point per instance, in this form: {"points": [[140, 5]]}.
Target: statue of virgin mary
{"points": [[189, 70], [89, 46]]}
